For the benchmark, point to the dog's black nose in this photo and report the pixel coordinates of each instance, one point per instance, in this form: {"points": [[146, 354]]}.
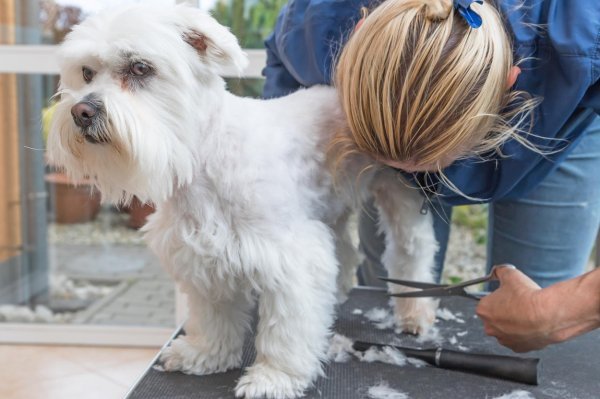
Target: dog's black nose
{"points": [[84, 113]]}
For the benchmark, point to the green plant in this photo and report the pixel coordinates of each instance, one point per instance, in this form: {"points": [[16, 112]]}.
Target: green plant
{"points": [[454, 279], [251, 22], [474, 218], [47, 115]]}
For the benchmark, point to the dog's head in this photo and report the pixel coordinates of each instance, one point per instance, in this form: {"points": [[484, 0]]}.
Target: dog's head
{"points": [[136, 86]]}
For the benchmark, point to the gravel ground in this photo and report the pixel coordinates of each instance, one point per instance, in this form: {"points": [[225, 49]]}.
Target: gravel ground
{"points": [[465, 257], [109, 227]]}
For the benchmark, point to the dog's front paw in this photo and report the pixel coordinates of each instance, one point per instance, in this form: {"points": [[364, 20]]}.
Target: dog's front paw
{"points": [[264, 381], [415, 315], [185, 356]]}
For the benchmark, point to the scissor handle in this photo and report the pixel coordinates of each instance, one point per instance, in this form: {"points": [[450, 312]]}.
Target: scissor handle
{"points": [[490, 277], [505, 265]]}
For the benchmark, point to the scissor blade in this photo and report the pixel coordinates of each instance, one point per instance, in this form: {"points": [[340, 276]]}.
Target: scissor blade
{"points": [[431, 292], [414, 284]]}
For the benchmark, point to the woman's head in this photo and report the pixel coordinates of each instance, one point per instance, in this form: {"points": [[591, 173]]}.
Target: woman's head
{"points": [[420, 87]]}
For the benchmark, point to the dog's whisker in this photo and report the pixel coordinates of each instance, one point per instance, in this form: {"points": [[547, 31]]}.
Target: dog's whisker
{"points": [[34, 149]]}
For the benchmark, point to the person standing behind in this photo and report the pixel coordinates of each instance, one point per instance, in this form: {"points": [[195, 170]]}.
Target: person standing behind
{"points": [[544, 201]]}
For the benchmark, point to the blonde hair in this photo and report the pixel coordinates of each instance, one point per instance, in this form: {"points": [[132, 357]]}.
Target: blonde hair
{"points": [[417, 84]]}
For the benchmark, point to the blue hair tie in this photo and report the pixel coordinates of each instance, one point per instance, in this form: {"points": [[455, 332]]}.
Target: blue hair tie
{"points": [[464, 9]]}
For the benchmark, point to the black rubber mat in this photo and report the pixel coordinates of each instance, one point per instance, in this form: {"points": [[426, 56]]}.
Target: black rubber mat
{"points": [[569, 371]]}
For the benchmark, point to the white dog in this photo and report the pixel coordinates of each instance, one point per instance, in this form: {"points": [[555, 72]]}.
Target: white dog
{"points": [[246, 207]]}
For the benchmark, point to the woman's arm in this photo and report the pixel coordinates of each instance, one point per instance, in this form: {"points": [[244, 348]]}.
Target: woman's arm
{"points": [[524, 317]]}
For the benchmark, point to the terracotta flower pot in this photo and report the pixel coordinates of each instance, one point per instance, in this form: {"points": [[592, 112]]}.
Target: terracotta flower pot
{"points": [[138, 213], [73, 204]]}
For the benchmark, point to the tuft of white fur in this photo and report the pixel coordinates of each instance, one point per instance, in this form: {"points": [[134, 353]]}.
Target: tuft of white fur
{"points": [[381, 318], [432, 334], [387, 354], [418, 363], [341, 350], [246, 208], [446, 314], [383, 391], [517, 394]]}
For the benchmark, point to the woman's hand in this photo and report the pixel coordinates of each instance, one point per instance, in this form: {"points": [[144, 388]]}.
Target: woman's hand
{"points": [[513, 313], [524, 317]]}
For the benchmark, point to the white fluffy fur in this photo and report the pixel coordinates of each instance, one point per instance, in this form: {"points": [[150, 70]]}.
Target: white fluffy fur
{"points": [[383, 391], [246, 209]]}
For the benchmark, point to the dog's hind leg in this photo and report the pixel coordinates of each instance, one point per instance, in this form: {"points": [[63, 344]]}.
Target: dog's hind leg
{"points": [[214, 331], [347, 256], [410, 247], [297, 278]]}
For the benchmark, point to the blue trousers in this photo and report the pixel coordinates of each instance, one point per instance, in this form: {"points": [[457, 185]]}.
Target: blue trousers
{"points": [[548, 234]]}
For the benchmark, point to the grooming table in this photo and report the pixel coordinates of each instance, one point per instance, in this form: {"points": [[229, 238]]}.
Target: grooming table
{"points": [[568, 371]]}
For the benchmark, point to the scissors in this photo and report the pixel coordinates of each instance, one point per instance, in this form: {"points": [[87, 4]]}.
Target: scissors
{"points": [[435, 290]]}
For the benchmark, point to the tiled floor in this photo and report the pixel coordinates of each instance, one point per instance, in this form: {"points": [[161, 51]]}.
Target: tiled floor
{"points": [[145, 295], [69, 372]]}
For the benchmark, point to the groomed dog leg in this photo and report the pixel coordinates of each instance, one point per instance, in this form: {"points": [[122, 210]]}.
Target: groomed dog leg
{"points": [[410, 247], [214, 332], [296, 307], [347, 255]]}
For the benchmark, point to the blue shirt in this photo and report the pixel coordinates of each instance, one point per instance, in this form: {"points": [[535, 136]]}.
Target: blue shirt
{"points": [[562, 67]]}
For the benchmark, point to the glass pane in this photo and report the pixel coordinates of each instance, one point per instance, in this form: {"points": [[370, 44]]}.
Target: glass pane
{"points": [[64, 257]]}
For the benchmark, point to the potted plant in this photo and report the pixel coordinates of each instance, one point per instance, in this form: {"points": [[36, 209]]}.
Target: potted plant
{"points": [[138, 212]]}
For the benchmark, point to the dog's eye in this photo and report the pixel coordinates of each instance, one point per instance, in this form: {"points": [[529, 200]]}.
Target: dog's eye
{"points": [[139, 68], [88, 74]]}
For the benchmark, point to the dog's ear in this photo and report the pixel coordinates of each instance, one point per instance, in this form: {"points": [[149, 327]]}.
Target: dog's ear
{"points": [[214, 42]]}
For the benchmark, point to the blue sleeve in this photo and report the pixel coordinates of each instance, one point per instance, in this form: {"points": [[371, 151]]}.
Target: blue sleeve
{"points": [[278, 80], [302, 49]]}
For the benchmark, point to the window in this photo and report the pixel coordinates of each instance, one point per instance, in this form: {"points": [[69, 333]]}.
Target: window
{"points": [[72, 269]]}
